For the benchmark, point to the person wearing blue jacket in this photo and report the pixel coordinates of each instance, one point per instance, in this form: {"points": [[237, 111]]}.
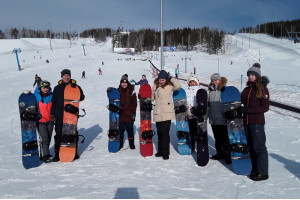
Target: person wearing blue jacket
{"points": [[43, 96]]}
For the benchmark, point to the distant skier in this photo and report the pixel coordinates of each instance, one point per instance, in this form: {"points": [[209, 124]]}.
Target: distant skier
{"points": [[83, 74], [37, 80], [142, 81], [176, 73], [100, 71]]}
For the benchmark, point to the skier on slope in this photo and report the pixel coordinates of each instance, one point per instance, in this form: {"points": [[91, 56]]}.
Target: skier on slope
{"points": [[37, 80], [193, 87], [43, 97], [163, 112], [57, 109], [255, 98], [216, 119], [128, 104]]}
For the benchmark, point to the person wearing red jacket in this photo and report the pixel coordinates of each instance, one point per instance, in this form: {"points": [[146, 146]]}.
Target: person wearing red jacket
{"points": [[128, 104], [43, 96], [255, 98]]}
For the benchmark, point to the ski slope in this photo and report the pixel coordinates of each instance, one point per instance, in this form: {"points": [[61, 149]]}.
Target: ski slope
{"points": [[126, 174]]}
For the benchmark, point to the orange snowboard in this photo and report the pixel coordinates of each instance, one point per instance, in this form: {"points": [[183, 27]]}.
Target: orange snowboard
{"points": [[68, 144]]}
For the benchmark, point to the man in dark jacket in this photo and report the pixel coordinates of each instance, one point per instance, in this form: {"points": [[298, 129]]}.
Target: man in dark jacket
{"points": [[128, 104], [142, 81], [57, 109]]}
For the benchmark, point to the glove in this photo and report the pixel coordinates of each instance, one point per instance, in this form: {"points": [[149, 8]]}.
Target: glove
{"points": [[109, 89], [231, 114], [53, 120], [169, 76], [133, 117], [242, 110], [198, 111]]}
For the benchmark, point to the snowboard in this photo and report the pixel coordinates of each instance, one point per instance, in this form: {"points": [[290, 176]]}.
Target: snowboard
{"points": [[182, 126], [114, 109], [146, 134], [238, 148], [69, 138], [29, 117], [201, 137]]}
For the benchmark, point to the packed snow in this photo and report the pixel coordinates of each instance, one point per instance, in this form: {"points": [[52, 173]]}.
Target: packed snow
{"points": [[126, 174]]}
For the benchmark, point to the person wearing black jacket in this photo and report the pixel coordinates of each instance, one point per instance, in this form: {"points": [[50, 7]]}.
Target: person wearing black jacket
{"points": [[57, 109]]}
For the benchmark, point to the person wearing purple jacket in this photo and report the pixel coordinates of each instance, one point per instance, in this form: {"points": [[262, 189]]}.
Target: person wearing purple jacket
{"points": [[255, 99]]}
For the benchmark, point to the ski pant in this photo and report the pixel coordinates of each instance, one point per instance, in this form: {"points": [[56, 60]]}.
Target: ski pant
{"points": [[221, 139], [45, 132], [128, 126], [163, 129], [256, 139]]}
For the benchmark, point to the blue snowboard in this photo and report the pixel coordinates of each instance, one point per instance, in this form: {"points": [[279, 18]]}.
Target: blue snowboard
{"points": [[113, 133], [182, 126], [241, 162], [29, 118]]}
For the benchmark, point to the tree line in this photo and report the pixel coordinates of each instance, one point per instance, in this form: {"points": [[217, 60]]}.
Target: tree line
{"points": [[144, 39], [277, 29]]}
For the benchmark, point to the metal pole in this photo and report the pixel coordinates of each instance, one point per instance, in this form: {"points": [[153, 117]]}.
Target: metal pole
{"points": [[18, 60], [185, 62], [161, 37], [241, 82]]}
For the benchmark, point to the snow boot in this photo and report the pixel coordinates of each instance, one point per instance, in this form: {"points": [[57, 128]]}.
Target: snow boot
{"points": [[131, 143]]}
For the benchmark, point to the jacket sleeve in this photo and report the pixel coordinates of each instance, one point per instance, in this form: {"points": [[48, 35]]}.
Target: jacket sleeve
{"points": [[134, 103], [176, 84], [54, 98], [82, 96], [264, 104]]}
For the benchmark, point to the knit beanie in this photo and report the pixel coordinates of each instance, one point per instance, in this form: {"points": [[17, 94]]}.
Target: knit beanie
{"points": [[193, 79], [215, 76], [124, 79], [163, 75], [65, 71], [255, 69]]}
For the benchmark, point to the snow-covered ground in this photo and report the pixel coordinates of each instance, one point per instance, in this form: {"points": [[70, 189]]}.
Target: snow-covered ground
{"points": [[126, 174]]}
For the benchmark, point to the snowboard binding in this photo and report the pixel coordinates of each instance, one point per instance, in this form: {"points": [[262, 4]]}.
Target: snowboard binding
{"points": [[30, 145], [148, 134], [146, 105], [180, 109], [203, 139], [182, 134], [69, 138], [236, 147], [232, 114], [74, 110], [113, 108], [113, 134], [30, 116], [199, 110]]}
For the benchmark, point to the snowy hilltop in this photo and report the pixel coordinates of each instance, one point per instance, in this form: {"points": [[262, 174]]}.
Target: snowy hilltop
{"points": [[126, 174]]}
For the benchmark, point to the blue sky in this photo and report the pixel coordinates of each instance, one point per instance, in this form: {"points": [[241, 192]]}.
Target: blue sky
{"points": [[79, 15]]}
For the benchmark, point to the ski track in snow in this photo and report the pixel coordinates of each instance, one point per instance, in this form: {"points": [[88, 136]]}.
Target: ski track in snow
{"points": [[126, 174]]}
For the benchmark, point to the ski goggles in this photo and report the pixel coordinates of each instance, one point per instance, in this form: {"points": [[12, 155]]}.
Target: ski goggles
{"points": [[44, 84]]}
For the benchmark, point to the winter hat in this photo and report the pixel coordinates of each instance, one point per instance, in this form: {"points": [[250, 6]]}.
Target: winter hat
{"points": [[163, 75], [65, 71], [255, 69], [124, 79], [193, 79], [215, 76]]}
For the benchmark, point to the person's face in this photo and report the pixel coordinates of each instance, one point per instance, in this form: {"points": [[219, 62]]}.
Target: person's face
{"points": [[66, 78], [124, 85], [45, 90], [252, 77], [215, 82], [162, 81], [143, 77], [193, 83]]}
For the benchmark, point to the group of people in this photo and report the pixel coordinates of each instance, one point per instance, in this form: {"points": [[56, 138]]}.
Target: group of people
{"points": [[51, 107], [254, 98]]}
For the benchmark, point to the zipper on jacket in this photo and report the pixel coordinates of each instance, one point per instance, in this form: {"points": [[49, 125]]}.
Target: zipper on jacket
{"points": [[247, 116]]}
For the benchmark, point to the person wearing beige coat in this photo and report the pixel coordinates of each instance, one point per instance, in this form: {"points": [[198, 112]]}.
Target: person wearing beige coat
{"points": [[163, 113]]}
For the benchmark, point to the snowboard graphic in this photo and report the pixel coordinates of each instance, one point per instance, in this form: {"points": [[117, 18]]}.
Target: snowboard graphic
{"points": [[182, 126], [69, 138], [114, 109], [146, 145], [240, 157], [29, 118], [201, 137]]}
